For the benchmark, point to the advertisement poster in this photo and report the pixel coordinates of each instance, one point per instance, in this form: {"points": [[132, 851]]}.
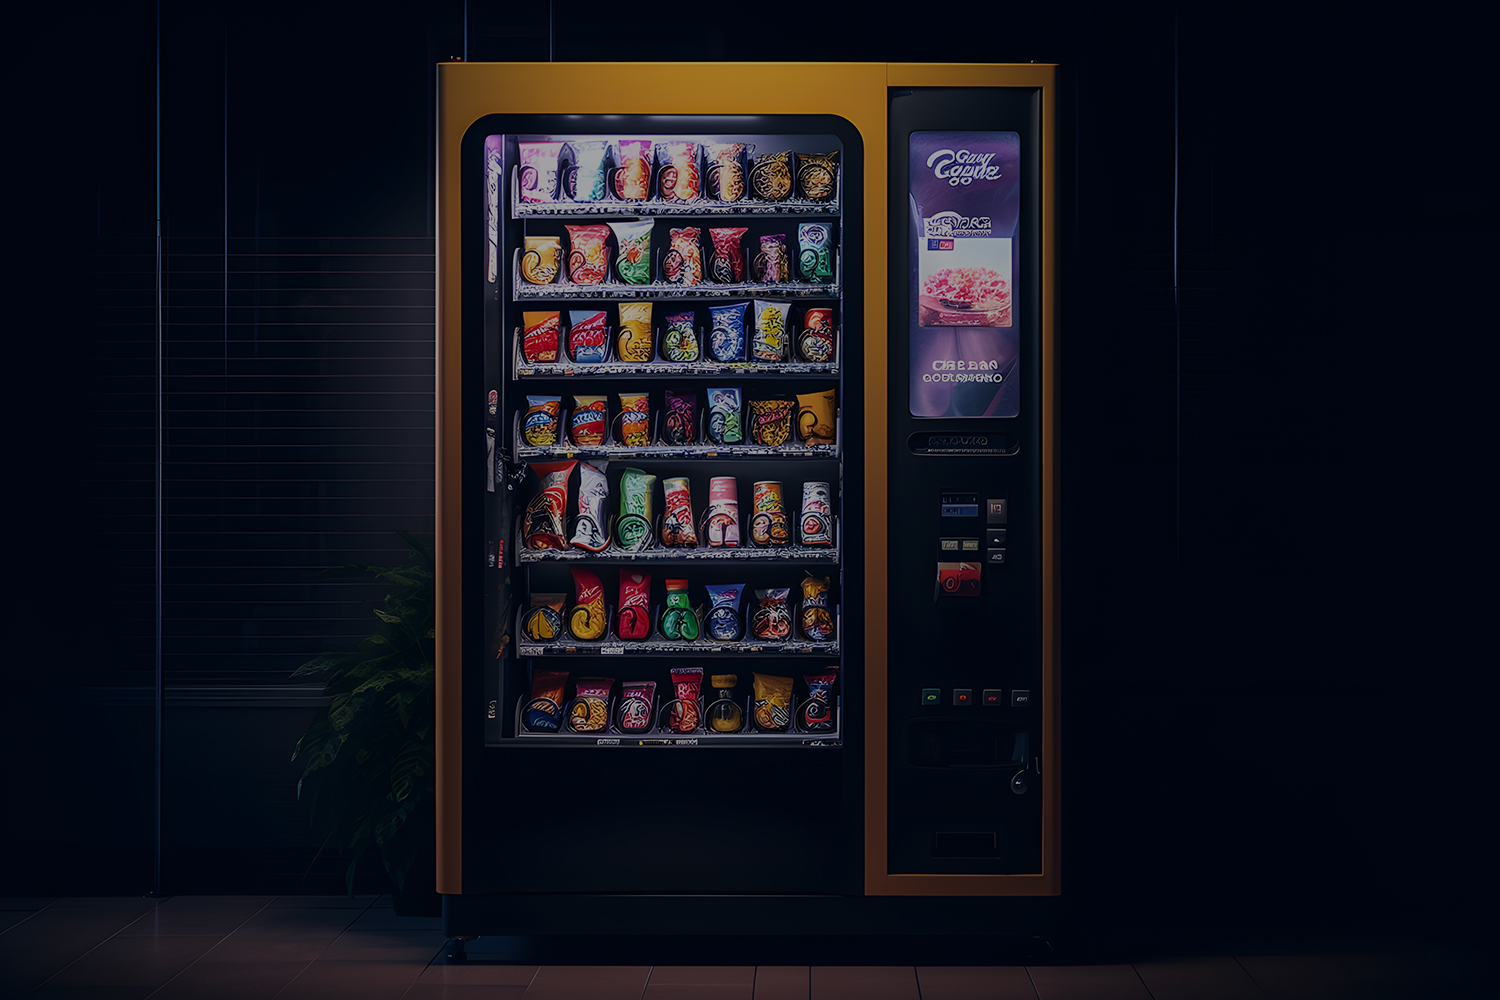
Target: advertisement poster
{"points": [[965, 204]]}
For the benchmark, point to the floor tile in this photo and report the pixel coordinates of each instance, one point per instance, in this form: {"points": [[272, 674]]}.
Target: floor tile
{"points": [[380, 918], [975, 982], [589, 982], [25, 902], [231, 979], [699, 991], [39, 948], [11, 918], [1219, 978], [782, 982], [439, 991], [360, 979], [286, 935], [696, 975], [405, 946], [137, 965], [326, 902], [864, 982], [1087, 982], [479, 974], [1335, 976], [198, 915]]}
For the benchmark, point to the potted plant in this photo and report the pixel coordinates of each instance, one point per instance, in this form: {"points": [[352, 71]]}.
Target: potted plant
{"points": [[368, 757]]}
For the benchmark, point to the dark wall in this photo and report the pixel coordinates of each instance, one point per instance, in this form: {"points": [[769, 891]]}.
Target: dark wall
{"points": [[1275, 235]]}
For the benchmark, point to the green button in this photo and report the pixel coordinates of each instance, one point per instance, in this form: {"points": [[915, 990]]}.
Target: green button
{"points": [[931, 696]]}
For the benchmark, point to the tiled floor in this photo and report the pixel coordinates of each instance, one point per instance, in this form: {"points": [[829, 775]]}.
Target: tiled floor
{"points": [[248, 948]]}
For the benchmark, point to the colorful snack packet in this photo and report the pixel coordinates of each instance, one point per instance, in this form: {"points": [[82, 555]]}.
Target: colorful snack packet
{"points": [[815, 417], [588, 254], [539, 262], [724, 713], [634, 528], [768, 522], [633, 619], [726, 169], [584, 178], [590, 709], [631, 178], [539, 335], [770, 421], [593, 501], [683, 264], [772, 710], [634, 343], [686, 683], [726, 342], [542, 524], [816, 714], [771, 618], [539, 170], [815, 616], [816, 521], [635, 710], [815, 251], [588, 335], [680, 341], [678, 177], [815, 343], [544, 710], [817, 175], [589, 421], [540, 426], [771, 264], [724, 416], [543, 619], [723, 517], [724, 611], [635, 419], [771, 176], [587, 620], [677, 526], [678, 620], [680, 421], [770, 341], [726, 262], [633, 262]]}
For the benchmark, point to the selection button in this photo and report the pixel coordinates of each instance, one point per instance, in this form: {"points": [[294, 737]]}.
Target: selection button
{"points": [[1020, 699], [963, 696], [997, 511], [932, 696], [992, 696], [994, 537], [995, 556]]}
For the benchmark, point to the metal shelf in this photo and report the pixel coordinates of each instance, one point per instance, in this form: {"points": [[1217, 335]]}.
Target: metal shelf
{"points": [[702, 554], [663, 452]]}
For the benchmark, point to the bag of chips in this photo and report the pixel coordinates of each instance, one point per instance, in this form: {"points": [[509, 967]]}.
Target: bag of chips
{"points": [[584, 179], [588, 421], [683, 264], [816, 713], [724, 611], [543, 418], [539, 337], [587, 621], [677, 526], [539, 263], [770, 342], [724, 425], [635, 332], [726, 342], [817, 175], [723, 519], [588, 254], [771, 264], [726, 264], [724, 713], [543, 619], [637, 700], [590, 709], [677, 177], [815, 252], [637, 519], [635, 419], [631, 178], [680, 419], [816, 520], [544, 711], [633, 619], [678, 620], [726, 169], [588, 336], [542, 525], [815, 343], [816, 618], [680, 340], [770, 421], [771, 618], [772, 710], [593, 500], [815, 417], [771, 176], [686, 683], [539, 170], [633, 262]]}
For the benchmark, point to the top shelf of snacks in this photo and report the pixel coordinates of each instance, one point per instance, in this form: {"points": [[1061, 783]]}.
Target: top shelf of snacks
{"points": [[639, 177]]}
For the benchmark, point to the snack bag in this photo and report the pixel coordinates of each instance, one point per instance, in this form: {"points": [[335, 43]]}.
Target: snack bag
{"points": [[816, 618], [539, 170], [636, 703], [589, 421], [683, 264], [539, 337], [678, 620], [816, 521], [771, 265], [542, 525], [815, 343], [726, 264], [770, 331], [677, 526], [632, 177], [588, 254], [584, 178], [593, 498], [817, 175], [815, 252], [771, 619], [543, 418], [723, 517], [590, 710], [686, 683], [681, 418], [773, 703], [724, 611], [724, 714], [588, 336], [633, 620], [544, 711], [768, 522], [770, 421], [543, 620], [678, 178], [726, 169], [587, 620], [637, 518], [680, 341], [727, 341], [539, 263], [724, 416], [635, 332], [635, 419], [816, 714], [815, 417], [771, 176], [633, 263]]}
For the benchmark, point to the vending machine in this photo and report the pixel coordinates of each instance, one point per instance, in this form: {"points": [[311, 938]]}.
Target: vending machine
{"points": [[747, 529]]}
